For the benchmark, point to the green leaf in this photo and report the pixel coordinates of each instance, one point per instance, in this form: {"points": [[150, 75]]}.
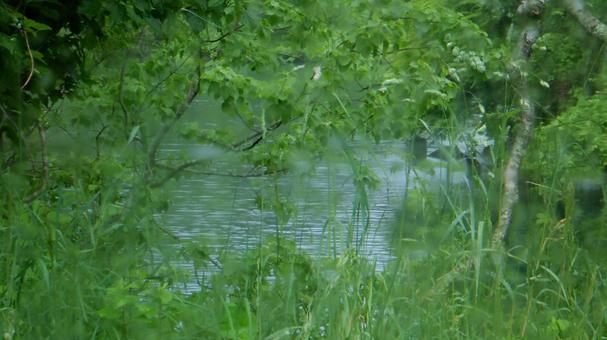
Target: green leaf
{"points": [[33, 25], [9, 43], [44, 272], [133, 134]]}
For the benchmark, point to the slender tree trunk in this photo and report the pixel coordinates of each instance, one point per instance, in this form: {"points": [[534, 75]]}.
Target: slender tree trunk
{"points": [[531, 10]]}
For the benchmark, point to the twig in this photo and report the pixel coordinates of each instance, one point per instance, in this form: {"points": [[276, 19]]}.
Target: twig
{"points": [[29, 51], [174, 172], [256, 138], [192, 93], [167, 77], [97, 138], [223, 36], [178, 239], [45, 166], [233, 175]]}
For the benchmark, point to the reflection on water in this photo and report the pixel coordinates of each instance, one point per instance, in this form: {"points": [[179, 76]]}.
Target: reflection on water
{"points": [[224, 211]]}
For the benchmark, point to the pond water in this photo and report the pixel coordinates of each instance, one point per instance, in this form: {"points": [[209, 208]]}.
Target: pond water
{"points": [[326, 218]]}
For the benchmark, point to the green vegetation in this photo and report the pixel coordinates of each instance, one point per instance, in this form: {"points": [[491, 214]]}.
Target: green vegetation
{"points": [[91, 90]]}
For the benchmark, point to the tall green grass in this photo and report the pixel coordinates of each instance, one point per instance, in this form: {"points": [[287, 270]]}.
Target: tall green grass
{"points": [[87, 268], [277, 292]]}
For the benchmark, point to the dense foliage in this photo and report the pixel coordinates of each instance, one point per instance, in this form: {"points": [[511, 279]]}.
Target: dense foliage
{"points": [[90, 90]]}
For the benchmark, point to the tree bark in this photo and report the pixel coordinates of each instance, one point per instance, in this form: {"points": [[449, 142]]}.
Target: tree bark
{"points": [[529, 10], [528, 37], [594, 26]]}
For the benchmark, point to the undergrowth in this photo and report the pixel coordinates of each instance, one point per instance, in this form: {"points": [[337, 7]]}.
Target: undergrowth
{"points": [[278, 292]]}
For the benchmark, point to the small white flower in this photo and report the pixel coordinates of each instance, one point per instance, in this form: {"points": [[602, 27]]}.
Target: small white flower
{"points": [[478, 64], [436, 93], [544, 84], [317, 72], [391, 81], [500, 75], [453, 74], [298, 67]]}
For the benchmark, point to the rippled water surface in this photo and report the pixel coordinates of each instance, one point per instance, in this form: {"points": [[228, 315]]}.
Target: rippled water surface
{"points": [[326, 217]]}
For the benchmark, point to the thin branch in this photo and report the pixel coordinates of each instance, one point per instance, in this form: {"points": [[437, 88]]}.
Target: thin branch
{"points": [[167, 77], [97, 138], [244, 122], [33, 65], [174, 171], [178, 239], [223, 36], [45, 166], [192, 93], [255, 138], [125, 112], [233, 175]]}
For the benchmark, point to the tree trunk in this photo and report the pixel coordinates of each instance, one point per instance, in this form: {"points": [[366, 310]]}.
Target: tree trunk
{"points": [[528, 37]]}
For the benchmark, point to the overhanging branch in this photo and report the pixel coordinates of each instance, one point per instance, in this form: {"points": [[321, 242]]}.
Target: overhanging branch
{"points": [[244, 145]]}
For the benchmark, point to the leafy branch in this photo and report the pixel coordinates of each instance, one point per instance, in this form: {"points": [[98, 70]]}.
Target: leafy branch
{"points": [[175, 171], [255, 138]]}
